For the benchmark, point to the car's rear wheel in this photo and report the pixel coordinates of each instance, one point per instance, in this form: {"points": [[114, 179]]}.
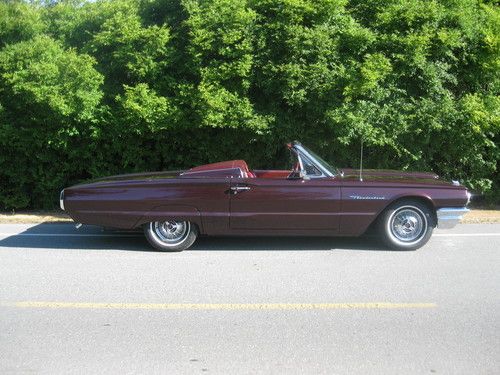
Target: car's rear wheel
{"points": [[171, 235], [406, 225]]}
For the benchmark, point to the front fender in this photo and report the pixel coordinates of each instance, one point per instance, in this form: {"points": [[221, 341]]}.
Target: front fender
{"points": [[362, 205]]}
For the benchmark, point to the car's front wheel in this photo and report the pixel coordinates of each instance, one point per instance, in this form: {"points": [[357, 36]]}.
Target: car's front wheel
{"points": [[171, 235], [406, 225]]}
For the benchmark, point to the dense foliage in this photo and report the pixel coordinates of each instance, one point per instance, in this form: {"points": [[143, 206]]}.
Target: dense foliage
{"points": [[111, 86]]}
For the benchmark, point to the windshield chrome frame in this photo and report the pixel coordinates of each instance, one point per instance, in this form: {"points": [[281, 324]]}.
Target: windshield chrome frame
{"points": [[303, 153]]}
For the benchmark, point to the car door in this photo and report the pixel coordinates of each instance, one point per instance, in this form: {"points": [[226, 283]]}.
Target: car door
{"points": [[285, 204]]}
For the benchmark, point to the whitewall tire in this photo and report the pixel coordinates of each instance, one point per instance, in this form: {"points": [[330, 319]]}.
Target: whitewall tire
{"points": [[171, 235], [406, 225]]}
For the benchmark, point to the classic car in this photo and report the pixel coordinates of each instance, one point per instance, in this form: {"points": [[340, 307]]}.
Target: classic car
{"points": [[312, 198]]}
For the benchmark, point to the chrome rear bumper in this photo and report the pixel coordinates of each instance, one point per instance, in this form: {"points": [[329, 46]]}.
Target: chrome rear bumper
{"points": [[449, 217], [61, 199]]}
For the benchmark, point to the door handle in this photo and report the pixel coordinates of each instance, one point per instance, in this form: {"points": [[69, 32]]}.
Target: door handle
{"points": [[237, 189]]}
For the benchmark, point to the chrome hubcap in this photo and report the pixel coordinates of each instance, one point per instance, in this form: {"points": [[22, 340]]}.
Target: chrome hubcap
{"points": [[170, 232], [407, 225]]}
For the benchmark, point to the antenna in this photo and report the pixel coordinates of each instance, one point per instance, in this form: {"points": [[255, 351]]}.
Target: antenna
{"points": [[361, 162]]}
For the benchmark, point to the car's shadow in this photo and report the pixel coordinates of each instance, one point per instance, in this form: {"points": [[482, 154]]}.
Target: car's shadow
{"points": [[67, 237]]}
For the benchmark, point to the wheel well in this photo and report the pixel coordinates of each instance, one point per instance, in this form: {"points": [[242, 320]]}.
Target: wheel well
{"points": [[192, 223], [425, 201]]}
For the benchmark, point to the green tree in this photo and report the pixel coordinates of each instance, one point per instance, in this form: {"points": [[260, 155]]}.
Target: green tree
{"points": [[89, 88], [49, 97]]}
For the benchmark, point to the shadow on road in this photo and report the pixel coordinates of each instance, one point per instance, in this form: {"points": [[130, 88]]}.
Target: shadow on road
{"points": [[66, 237]]}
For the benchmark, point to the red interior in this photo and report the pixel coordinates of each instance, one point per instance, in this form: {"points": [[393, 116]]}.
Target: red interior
{"points": [[277, 174], [239, 167]]}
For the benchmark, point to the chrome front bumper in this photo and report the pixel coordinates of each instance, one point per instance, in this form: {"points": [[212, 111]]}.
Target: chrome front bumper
{"points": [[449, 217]]}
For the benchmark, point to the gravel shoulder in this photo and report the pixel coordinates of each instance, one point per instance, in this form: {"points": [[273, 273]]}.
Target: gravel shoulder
{"points": [[33, 217], [476, 216]]}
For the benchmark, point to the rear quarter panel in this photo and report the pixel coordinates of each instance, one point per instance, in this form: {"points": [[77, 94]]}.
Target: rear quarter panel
{"points": [[129, 204]]}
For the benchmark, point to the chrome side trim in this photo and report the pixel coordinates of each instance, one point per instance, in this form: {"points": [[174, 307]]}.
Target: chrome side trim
{"points": [[448, 217], [61, 199]]}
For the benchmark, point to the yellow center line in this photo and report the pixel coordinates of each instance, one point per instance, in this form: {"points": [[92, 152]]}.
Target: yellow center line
{"points": [[219, 306]]}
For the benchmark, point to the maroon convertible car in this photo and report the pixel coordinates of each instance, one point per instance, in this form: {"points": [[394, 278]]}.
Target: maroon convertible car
{"points": [[311, 199]]}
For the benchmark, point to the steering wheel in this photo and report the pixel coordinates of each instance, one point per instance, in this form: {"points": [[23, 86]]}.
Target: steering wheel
{"points": [[295, 173]]}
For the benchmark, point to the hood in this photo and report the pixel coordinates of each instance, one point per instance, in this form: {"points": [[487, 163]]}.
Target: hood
{"points": [[394, 176], [390, 173]]}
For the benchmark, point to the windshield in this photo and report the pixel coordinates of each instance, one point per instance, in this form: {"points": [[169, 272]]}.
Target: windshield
{"points": [[322, 163]]}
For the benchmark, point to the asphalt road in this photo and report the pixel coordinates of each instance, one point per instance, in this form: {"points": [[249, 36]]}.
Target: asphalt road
{"points": [[83, 301]]}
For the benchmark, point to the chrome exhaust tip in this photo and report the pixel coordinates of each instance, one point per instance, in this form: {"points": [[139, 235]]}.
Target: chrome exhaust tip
{"points": [[78, 225]]}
